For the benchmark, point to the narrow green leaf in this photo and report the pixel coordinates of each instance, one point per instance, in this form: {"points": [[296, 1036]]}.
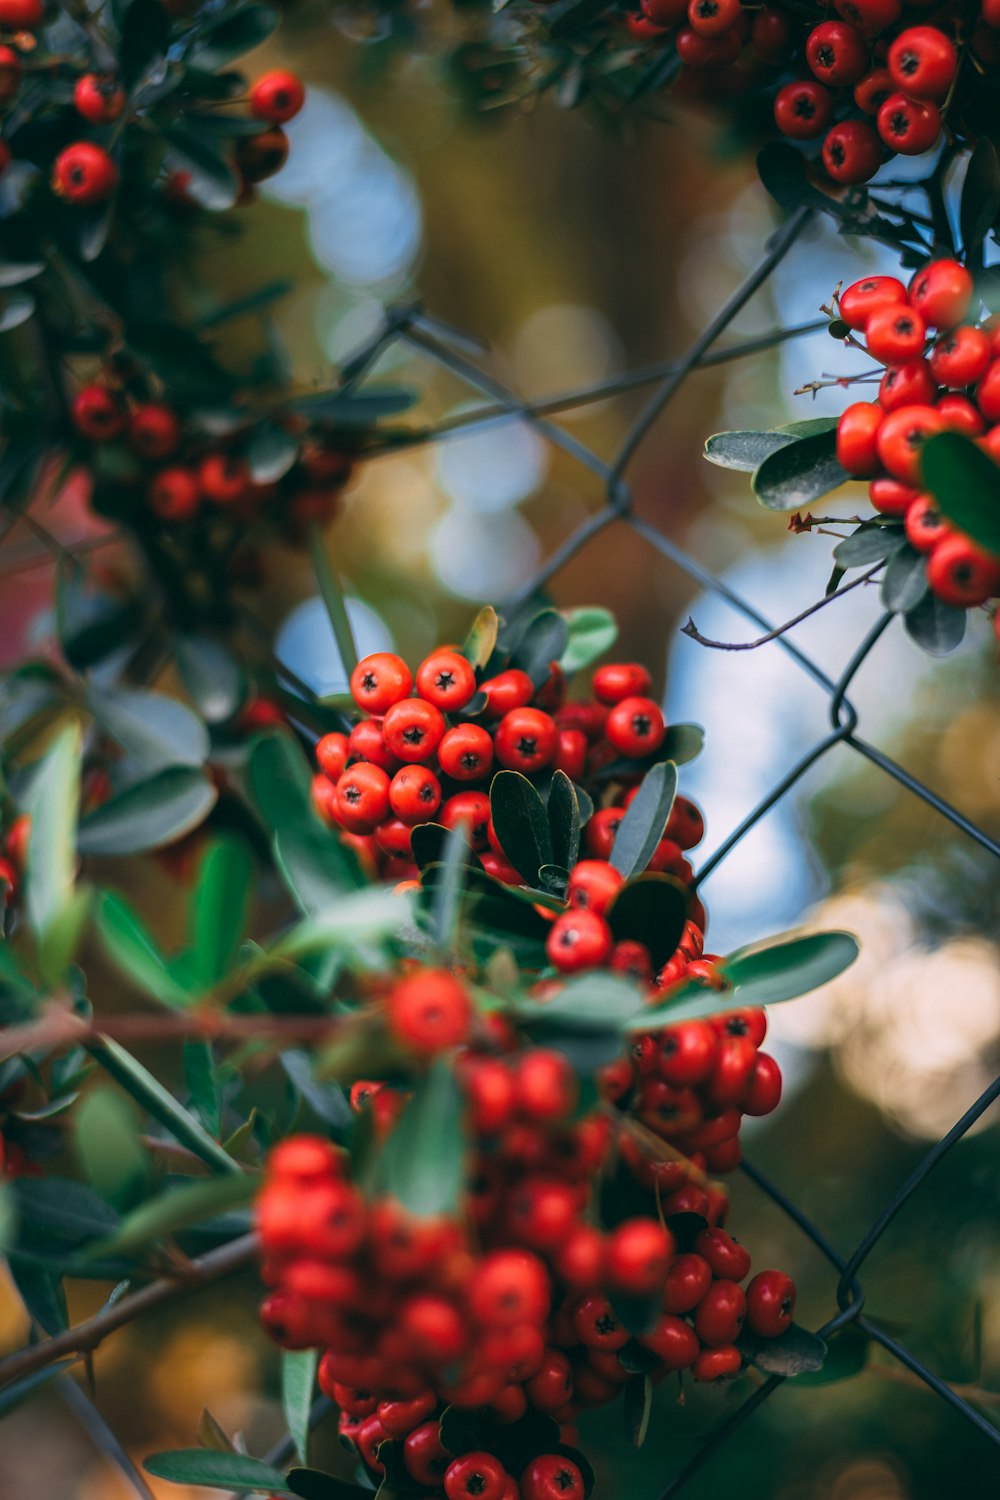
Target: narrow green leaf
{"points": [[482, 637], [8, 1216], [51, 802], [149, 814], [423, 1161], [521, 824], [592, 631], [42, 1293], [357, 924], [202, 1079], [66, 1210], [333, 598], [745, 451], [218, 909], [157, 730], [235, 32], [107, 1143], [316, 867], [132, 947], [980, 203], [160, 1103], [204, 1466], [600, 1001], [298, 1378], [799, 473], [637, 1405], [448, 892], [644, 823], [177, 1209], [869, 544], [965, 482], [564, 821]]}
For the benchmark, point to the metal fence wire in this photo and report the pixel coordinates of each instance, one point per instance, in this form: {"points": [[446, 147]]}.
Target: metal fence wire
{"points": [[409, 325]]}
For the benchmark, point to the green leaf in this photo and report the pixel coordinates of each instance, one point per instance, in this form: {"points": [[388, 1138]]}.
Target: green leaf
{"points": [[355, 925], [904, 582], [12, 273], [298, 1377], [107, 1143], [637, 1405], [176, 1209], [682, 743], [160, 1103], [149, 814], [936, 627], [600, 1001], [231, 1471], [131, 945], [799, 473], [333, 598], [51, 802], [212, 675], [784, 970], [744, 450], [202, 1079], [846, 1356], [651, 909], [12, 1395], [218, 909], [980, 203], [235, 32], [479, 644], [15, 308], [42, 1294], [564, 821], [144, 41], [315, 866], [423, 1161], [313, 1484], [448, 892], [965, 482], [543, 641], [212, 178], [8, 1216], [592, 631], [645, 821], [429, 841], [271, 452], [157, 730], [521, 824], [66, 1210], [794, 1352], [869, 544]]}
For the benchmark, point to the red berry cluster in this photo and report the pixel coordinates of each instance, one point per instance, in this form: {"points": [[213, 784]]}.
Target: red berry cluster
{"points": [[947, 382], [517, 1309], [178, 472]]}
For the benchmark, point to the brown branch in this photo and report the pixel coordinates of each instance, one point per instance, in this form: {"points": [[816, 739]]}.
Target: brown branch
{"points": [[691, 630], [59, 1027], [89, 1335]]}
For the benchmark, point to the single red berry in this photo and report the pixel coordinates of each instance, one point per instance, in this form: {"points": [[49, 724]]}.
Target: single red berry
{"points": [[720, 1313], [18, 839], [942, 293], [379, 681], [509, 1287], [687, 1053], [890, 497], [764, 1089], [540, 1211], [960, 414], [895, 335], [429, 1011], [571, 753], [510, 689], [578, 940], [596, 1326], [673, 1341], [99, 98], [84, 174], [21, 15], [11, 72], [593, 884], [97, 413], [909, 126], [395, 837], [802, 110], [545, 1085], [923, 62], [261, 156], [664, 13], [697, 51], [472, 809], [635, 726], [466, 752], [771, 34], [599, 832], [727, 1257], [770, 1303], [857, 303], [277, 97], [717, 1364], [961, 357], [731, 1073], [435, 1327], [224, 478], [447, 680], [551, 1477], [688, 1279], [637, 25], [963, 574], [712, 17], [686, 825], [425, 1457], [362, 797], [836, 53], [869, 16], [475, 1476], [852, 152], [857, 431], [909, 384], [154, 431], [988, 393], [175, 494], [331, 754], [489, 1092], [902, 436], [415, 794], [639, 1252], [925, 526], [367, 742], [871, 91], [525, 740], [749, 1020], [413, 729]]}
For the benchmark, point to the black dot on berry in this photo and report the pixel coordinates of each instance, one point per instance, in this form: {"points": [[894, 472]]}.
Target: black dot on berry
{"points": [[369, 682], [444, 680], [527, 745]]}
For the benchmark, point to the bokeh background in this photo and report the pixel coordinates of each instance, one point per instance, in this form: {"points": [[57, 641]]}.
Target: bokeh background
{"points": [[577, 254]]}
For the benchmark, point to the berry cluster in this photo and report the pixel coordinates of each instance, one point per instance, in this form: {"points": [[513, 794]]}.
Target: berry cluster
{"points": [[521, 1312], [950, 382], [149, 460]]}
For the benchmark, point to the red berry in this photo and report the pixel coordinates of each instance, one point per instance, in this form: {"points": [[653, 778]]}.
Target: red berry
{"points": [[770, 34], [415, 794], [525, 740], [862, 298], [399, 1418], [475, 1476], [639, 1252], [720, 1313], [99, 98], [960, 415], [664, 13], [909, 126], [635, 726], [852, 152], [472, 809], [731, 1073], [685, 826], [362, 797], [260, 156], [988, 393], [425, 1457], [175, 494], [435, 1327], [447, 680], [764, 1089], [277, 97], [331, 754], [154, 431], [429, 1011], [593, 884], [596, 1326], [578, 940], [726, 1256], [466, 752], [856, 433], [551, 1477], [902, 436], [379, 681], [673, 1341], [413, 729], [688, 1279], [923, 62], [367, 742], [510, 689], [599, 833], [909, 384], [97, 413], [925, 526], [836, 53], [708, 51], [545, 1085], [890, 498], [895, 335], [942, 293], [712, 17], [871, 91], [750, 1021], [963, 574], [540, 1211], [717, 1364], [961, 358], [687, 1053], [509, 1287], [571, 753], [770, 1303], [869, 16], [84, 174], [21, 15], [224, 478]]}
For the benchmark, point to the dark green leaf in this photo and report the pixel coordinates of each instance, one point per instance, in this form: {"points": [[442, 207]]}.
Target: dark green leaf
{"points": [[846, 1356], [637, 1405], [145, 37], [231, 1471], [202, 1079], [178, 1208], [461, 1429], [448, 892], [423, 1161], [980, 204], [682, 743], [353, 409], [965, 482], [794, 1352], [521, 824], [218, 910], [792, 967], [232, 34], [66, 1210], [42, 1294], [592, 631], [869, 544], [564, 821], [936, 627], [313, 1484], [271, 452], [650, 909], [212, 676], [212, 178], [543, 641], [744, 450], [644, 823], [800, 473], [107, 1143], [93, 226], [326, 1099], [149, 814], [428, 843], [131, 945], [222, 126], [904, 582], [333, 598], [157, 730], [600, 1001], [553, 880], [315, 866]]}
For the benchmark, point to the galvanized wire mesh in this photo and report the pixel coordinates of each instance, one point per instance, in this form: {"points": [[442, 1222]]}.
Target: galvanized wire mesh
{"points": [[412, 327]]}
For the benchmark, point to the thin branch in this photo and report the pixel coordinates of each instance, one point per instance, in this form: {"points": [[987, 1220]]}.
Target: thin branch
{"points": [[693, 633], [60, 1028]]}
